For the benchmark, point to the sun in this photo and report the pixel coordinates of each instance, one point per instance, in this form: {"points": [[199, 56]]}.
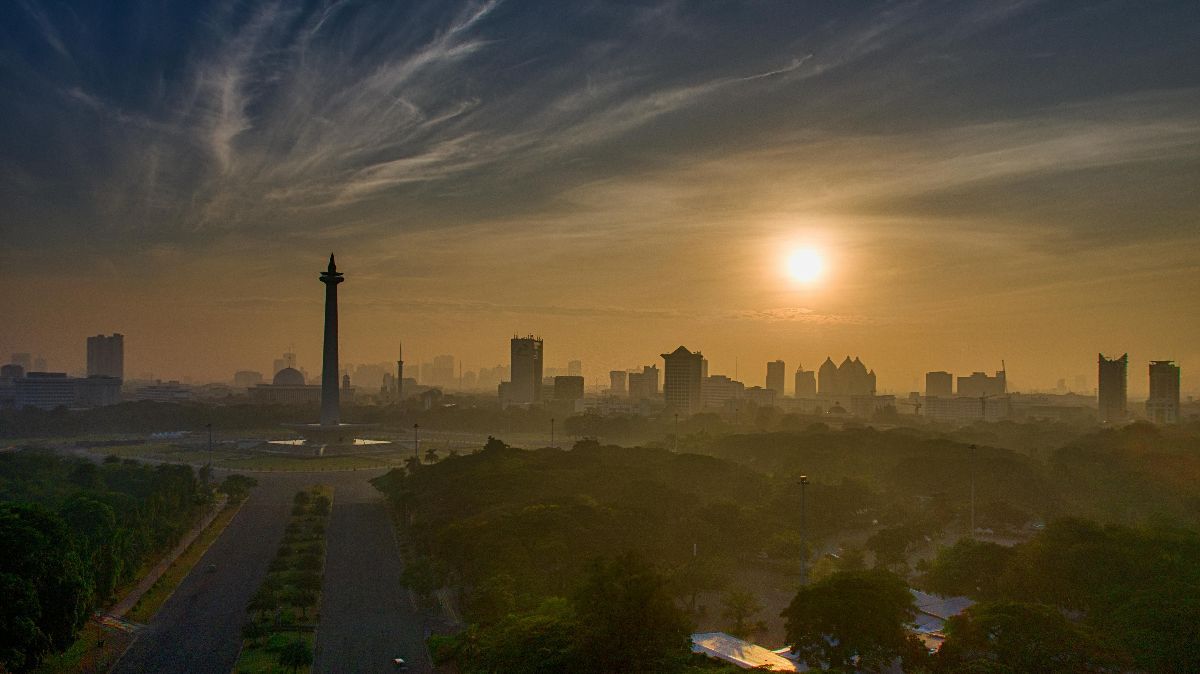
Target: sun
{"points": [[805, 265]]}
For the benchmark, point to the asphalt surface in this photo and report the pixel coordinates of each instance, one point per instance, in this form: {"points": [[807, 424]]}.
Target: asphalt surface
{"points": [[367, 618]]}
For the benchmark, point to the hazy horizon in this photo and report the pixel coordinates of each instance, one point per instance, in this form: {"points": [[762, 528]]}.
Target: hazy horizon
{"points": [[991, 183]]}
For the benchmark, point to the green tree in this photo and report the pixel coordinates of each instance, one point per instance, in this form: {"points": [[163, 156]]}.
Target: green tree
{"points": [[295, 655], [740, 607], [851, 614], [543, 641], [50, 585], [1021, 638], [624, 601], [969, 567]]}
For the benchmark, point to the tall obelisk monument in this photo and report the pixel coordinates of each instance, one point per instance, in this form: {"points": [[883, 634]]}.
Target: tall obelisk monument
{"points": [[330, 400]]}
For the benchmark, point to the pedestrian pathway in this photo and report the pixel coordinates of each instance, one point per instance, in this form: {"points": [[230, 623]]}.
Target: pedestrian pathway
{"points": [[131, 599]]}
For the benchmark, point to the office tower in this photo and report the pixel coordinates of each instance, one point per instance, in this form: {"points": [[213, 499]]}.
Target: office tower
{"points": [[443, 371], [39, 364], [720, 391], [1162, 407], [644, 385], [848, 379], [11, 371], [939, 384], [574, 368], [568, 388], [683, 380], [775, 377], [525, 369], [1114, 377], [247, 378], [980, 385], [25, 360], [806, 383], [106, 356], [616, 382]]}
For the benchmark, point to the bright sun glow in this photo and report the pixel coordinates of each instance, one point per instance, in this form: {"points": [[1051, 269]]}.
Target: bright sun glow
{"points": [[805, 265]]}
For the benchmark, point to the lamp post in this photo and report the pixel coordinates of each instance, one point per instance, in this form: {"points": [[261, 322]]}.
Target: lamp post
{"points": [[210, 453], [803, 535], [416, 443], [552, 432], [973, 450]]}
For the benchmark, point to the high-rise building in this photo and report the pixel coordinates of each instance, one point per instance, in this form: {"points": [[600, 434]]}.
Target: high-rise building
{"points": [[568, 388], [1114, 378], [644, 385], [1162, 407], [616, 382], [443, 372], [106, 356], [39, 365], [939, 384], [25, 360], [848, 379], [525, 369], [806, 383], [980, 385], [247, 378], [776, 374], [574, 368], [719, 390], [683, 380]]}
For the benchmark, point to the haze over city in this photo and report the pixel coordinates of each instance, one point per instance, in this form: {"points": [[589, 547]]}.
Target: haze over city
{"points": [[991, 182]]}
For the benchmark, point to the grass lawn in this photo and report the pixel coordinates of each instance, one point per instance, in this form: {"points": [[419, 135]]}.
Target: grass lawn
{"points": [[289, 463], [150, 602], [95, 651]]}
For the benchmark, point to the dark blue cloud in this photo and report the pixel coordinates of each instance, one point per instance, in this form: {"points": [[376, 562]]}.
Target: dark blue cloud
{"points": [[127, 123]]}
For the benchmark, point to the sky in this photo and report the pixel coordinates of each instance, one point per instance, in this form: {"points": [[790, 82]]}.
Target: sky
{"points": [[983, 181]]}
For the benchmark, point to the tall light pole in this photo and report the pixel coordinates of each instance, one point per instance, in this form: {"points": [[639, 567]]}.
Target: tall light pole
{"points": [[803, 534], [416, 441], [552, 432], [973, 450]]}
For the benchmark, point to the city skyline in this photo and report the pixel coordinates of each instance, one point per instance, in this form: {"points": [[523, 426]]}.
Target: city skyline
{"points": [[933, 188]]}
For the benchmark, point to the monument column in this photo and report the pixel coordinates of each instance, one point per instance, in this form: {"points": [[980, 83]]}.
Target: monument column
{"points": [[330, 393]]}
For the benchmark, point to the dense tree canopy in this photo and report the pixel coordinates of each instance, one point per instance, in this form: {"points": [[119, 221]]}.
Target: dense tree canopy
{"points": [[851, 618], [72, 532]]}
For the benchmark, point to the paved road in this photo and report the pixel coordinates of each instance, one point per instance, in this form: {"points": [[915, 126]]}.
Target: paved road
{"points": [[366, 613], [366, 617]]}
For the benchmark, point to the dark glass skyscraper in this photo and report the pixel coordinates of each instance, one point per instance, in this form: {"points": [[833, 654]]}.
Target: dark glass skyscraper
{"points": [[1114, 378], [526, 370]]}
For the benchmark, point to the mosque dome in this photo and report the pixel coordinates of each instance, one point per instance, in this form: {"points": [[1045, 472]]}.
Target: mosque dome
{"points": [[288, 376]]}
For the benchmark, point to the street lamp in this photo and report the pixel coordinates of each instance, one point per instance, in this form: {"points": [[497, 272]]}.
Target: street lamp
{"points": [[210, 455], [552, 432], [416, 451], [803, 534], [973, 451]]}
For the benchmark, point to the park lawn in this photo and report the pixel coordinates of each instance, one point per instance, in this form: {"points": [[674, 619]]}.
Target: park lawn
{"points": [[88, 654], [154, 598], [285, 620], [289, 463]]}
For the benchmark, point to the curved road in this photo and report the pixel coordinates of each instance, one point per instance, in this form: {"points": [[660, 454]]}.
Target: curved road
{"points": [[366, 617]]}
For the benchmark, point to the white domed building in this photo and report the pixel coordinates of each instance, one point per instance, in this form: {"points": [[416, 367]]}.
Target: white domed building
{"points": [[287, 388]]}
